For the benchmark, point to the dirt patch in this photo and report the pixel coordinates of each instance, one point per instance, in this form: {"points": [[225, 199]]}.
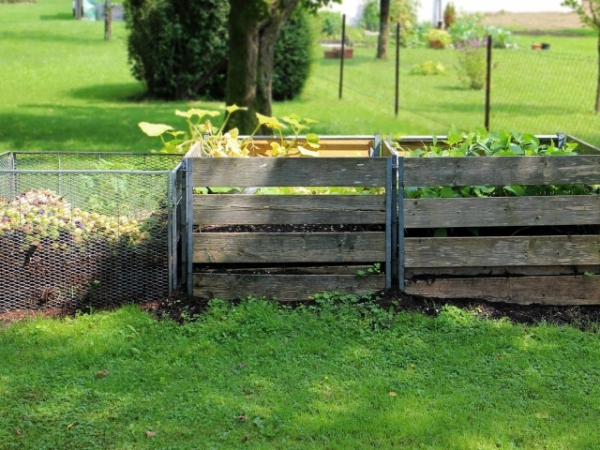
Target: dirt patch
{"points": [[181, 308], [546, 21]]}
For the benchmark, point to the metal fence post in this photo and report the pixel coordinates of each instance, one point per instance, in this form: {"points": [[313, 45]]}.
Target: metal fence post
{"points": [[189, 225], [400, 166]]}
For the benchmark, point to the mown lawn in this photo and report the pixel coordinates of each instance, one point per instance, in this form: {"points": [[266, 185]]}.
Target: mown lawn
{"points": [[336, 376], [63, 87]]}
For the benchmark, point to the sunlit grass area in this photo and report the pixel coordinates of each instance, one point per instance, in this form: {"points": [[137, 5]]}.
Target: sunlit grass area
{"points": [[335, 376]]}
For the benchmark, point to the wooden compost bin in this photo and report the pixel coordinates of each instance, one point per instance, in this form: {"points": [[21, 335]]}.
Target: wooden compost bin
{"points": [[292, 265], [554, 269]]}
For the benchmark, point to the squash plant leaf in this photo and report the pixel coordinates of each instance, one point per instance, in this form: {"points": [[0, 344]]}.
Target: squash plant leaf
{"points": [[154, 129], [517, 190], [447, 192]]}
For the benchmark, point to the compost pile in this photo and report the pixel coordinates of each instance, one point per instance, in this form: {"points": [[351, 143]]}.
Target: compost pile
{"points": [[54, 253]]}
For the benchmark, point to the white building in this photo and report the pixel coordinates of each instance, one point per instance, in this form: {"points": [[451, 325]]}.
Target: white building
{"points": [[429, 9]]}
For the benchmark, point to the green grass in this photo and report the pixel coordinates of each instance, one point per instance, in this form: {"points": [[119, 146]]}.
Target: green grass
{"points": [[263, 376], [62, 87]]}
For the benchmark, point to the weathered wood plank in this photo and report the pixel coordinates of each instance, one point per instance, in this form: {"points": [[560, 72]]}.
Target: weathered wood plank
{"points": [[560, 290], [290, 209], [289, 270], [425, 273], [246, 172], [492, 171], [331, 247], [502, 212], [502, 251], [282, 287]]}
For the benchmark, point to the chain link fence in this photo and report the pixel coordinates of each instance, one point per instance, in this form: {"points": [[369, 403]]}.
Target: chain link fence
{"points": [[534, 89], [79, 229]]}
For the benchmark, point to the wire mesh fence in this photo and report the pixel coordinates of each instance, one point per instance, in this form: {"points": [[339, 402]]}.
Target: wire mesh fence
{"points": [[87, 229], [531, 90]]}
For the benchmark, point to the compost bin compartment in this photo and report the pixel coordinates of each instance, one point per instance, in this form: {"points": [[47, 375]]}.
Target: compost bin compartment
{"points": [[81, 229], [292, 246]]}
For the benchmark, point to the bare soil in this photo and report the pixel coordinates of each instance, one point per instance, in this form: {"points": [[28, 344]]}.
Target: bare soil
{"points": [[543, 21]]}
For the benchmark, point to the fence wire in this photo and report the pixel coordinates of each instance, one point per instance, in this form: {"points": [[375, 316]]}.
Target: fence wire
{"points": [[534, 91], [81, 236]]}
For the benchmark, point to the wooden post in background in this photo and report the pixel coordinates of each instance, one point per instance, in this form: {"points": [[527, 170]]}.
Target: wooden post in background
{"points": [[488, 81], [342, 55], [397, 93], [107, 20]]}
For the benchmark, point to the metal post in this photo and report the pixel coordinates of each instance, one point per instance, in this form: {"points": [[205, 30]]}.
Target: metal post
{"points": [[488, 80], [397, 94], [189, 225], [342, 55], [400, 165], [388, 222], [394, 207]]}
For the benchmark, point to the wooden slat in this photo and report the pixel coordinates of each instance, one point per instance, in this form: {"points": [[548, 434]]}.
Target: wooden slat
{"points": [[288, 270], [558, 290], [493, 171], [246, 172], [290, 209], [289, 247], [502, 212], [502, 251], [428, 273], [282, 287]]}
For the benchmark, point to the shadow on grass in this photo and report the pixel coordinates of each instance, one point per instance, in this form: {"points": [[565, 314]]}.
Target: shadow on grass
{"points": [[59, 16], [88, 39], [120, 92], [53, 127]]}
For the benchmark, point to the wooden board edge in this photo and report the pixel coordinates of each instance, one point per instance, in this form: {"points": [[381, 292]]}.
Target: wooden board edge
{"points": [[551, 290], [284, 288]]}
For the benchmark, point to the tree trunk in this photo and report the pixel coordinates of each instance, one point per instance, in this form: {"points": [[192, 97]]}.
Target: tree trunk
{"points": [[244, 23], [253, 30], [107, 20], [384, 29], [268, 36]]}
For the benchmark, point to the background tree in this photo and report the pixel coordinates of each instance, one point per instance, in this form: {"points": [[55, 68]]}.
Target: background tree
{"points": [[403, 12], [384, 29], [254, 26], [589, 13]]}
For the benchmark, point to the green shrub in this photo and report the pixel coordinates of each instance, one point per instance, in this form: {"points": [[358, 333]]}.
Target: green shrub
{"points": [[177, 48], [331, 24], [293, 57], [370, 16], [428, 68]]}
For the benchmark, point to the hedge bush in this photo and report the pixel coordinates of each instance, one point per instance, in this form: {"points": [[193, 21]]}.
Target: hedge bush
{"points": [[178, 49], [293, 57]]}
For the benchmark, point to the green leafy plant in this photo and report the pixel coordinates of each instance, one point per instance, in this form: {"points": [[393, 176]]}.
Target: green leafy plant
{"points": [[331, 24], [215, 142], [472, 62], [438, 38], [428, 68], [449, 14], [483, 143]]}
